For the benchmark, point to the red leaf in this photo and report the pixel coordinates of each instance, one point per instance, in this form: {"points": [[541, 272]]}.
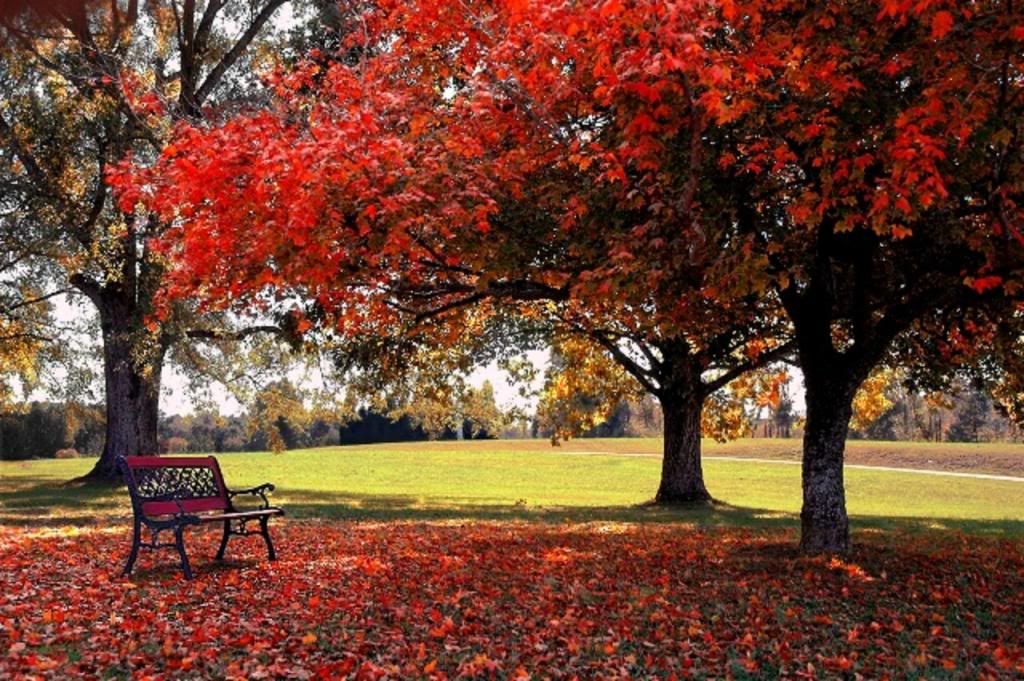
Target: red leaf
{"points": [[942, 23], [982, 284]]}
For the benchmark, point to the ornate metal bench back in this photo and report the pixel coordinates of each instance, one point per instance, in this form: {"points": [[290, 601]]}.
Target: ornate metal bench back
{"points": [[165, 485]]}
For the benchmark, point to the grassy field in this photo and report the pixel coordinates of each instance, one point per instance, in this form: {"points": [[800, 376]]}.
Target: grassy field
{"points": [[997, 458], [583, 480]]}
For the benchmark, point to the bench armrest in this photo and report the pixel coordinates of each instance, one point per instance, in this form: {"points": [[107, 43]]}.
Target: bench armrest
{"points": [[260, 490]]}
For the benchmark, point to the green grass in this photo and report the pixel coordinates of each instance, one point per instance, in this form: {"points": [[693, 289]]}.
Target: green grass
{"points": [[530, 480]]}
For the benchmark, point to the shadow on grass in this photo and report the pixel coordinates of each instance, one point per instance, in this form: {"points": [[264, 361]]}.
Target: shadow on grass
{"points": [[40, 502], [395, 507], [344, 506]]}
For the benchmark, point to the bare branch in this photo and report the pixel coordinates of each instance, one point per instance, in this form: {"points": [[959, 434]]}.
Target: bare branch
{"points": [[761, 360], [643, 375], [229, 59], [239, 335], [34, 301]]}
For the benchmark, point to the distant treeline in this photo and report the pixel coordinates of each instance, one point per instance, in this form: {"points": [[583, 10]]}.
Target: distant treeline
{"points": [[42, 429], [46, 429], [970, 415]]}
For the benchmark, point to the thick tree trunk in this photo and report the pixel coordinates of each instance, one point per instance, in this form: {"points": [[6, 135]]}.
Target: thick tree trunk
{"points": [[824, 525], [132, 397], [682, 477]]}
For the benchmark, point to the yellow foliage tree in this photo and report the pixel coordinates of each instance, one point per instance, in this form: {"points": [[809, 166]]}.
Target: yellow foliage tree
{"points": [[25, 318], [279, 412], [728, 413], [582, 388], [19, 355], [871, 403], [452, 407]]}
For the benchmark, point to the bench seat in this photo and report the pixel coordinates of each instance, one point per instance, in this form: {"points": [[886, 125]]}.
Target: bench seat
{"points": [[236, 515]]}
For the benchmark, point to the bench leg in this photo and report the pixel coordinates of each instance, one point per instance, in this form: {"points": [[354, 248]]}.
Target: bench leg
{"points": [[265, 531], [224, 540], [136, 540], [179, 541]]}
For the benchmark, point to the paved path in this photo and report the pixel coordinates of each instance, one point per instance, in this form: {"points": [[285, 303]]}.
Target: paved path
{"points": [[784, 462]]}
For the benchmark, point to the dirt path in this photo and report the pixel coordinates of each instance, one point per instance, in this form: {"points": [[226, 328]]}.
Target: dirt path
{"points": [[897, 469], [790, 462]]}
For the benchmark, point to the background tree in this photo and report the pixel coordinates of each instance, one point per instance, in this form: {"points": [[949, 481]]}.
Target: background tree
{"points": [[36, 432], [83, 86], [24, 332], [583, 388], [279, 417], [971, 418], [464, 411], [774, 414]]}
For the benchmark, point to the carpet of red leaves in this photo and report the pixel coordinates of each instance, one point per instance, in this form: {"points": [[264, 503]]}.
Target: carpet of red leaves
{"points": [[511, 600]]}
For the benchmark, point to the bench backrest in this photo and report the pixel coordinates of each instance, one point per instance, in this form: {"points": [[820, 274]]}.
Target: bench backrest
{"points": [[195, 481]]}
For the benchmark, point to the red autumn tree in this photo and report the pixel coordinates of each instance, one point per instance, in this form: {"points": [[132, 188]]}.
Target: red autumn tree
{"points": [[882, 147], [447, 165]]}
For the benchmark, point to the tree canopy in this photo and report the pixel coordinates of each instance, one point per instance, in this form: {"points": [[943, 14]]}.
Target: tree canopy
{"points": [[694, 188]]}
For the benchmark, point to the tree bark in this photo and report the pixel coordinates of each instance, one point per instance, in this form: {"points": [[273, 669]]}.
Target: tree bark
{"points": [[682, 476], [132, 379], [149, 406], [824, 525]]}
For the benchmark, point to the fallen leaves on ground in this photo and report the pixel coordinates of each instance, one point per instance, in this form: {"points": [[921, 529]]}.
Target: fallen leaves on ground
{"points": [[511, 601]]}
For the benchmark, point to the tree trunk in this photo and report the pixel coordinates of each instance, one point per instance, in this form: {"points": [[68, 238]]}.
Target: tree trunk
{"points": [[824, 525], [132, 395], [682, 477], [149, 406]]}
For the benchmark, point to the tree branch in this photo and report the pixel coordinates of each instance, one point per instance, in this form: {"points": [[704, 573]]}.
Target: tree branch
{"points": [[229, 59], [241, 334], [35, 301], [32, 167], [643, 375], [735, 372], [206, 24], [90, 288]]}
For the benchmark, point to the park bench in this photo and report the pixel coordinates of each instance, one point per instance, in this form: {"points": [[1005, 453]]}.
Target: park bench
{"points": [[173, 492]]}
